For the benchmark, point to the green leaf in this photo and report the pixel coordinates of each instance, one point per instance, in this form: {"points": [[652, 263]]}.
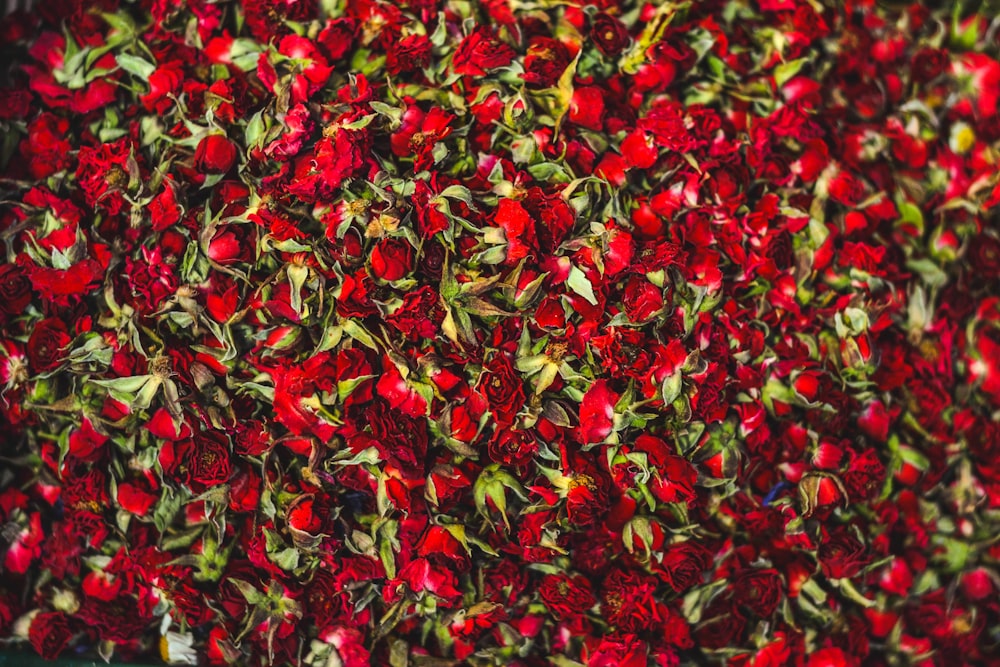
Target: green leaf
{"points": [[286, 559], [929, 271], [255, 130], [910, 213], [459, 192], [126, 385], [394, 114], [252, 595], [358, 333], [297, 275], [135, 66], [360, 123], [579, 283], [346, 387], [122, 23], [671, 387], [785, 71]]}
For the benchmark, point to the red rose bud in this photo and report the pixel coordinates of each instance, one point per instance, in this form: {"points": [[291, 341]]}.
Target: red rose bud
{"points": [[921, 648], [723, 463], [621, 512], [797, 574], [945, 244], [984, 365], [101, 586], [215, 154], [856, 352], [874, 420], [829, 657], [612, 169], [229, 245], [643, 536], [827, 456], [818, 491], [978, 584], [806, 385], [244, 491], [880, 623], [391, 259], [302, 517], [162, 425], [912, 466], [896, 578], [854, 221], [646, 220], [220, 650], [597, 411]]}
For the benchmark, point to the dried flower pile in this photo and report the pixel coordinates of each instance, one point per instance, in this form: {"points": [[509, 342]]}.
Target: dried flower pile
{"points": [[501, 332]]}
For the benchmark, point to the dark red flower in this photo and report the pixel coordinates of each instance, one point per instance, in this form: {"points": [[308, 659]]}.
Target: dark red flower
{"points": [[627, 601], [618, 650], [481, 51], [47, 344], [325, 602], [50, 634], [842, 555], [15, 289], [337, 37], [566, 596], [683, 565], [512, 447], [420, 315], [760, 590], [409, 53], [929, 63], [46, 147], [587, 498], [641, 299], [503, 389], [722, 625], [675, 481], [199, 462], [545, 62], [553, 217], [103, 172], [609, 34], [117, 620], [400, 439]]}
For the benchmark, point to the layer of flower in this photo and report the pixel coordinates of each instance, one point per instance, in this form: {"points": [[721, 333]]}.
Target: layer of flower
{"points": [[501, 333]]}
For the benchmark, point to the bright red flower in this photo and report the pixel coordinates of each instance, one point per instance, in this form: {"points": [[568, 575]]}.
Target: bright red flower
{"points": [[216, 154], [597, 411]]}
